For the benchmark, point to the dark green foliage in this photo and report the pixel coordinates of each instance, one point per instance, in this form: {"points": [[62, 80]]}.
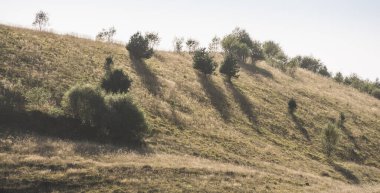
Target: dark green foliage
{"points": [[108, 65], [323, 71], [376, 93], [10, 100], [342, 118], [229, 67], [257, 52], [330, 139], [123, 120], [339, 77], [362, 85], [139, 46], [86, 103], [116, 82], [292, 105], [203, 62]]}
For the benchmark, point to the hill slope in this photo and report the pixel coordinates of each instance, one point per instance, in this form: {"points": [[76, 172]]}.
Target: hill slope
{"points": [[206, 135]]}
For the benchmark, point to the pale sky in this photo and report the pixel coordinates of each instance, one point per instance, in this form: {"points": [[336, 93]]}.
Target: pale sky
{"points": [[344, 34]]}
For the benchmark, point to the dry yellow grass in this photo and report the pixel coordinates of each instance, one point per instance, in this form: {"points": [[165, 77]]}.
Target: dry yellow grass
{"points": [[205, 134]]}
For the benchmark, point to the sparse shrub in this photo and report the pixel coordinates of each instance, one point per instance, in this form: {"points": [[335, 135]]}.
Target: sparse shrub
{"points": [[192, 45], [339, 77], [292, 105], [86, 103], [116, 81], [342, 118], [229, 67], [214, 44], [108, 65], [272, 49], [123, 120], [106, 34], [41, 20], [376, 93], [178, 44], [257, 52], [330, 139], [138, 46], [153, 38], [203, 62]]}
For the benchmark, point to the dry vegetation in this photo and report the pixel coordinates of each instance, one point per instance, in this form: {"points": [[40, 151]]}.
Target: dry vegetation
{"points": [[205, 135]]}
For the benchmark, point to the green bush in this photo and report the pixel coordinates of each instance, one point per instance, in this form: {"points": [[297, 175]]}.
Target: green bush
{"points": [[123, 120], [376, 93], [116, 82], [86, 103], [292, 105], [139, 46], [203, 62], [229, 67], [339, 77], [330, 139]]}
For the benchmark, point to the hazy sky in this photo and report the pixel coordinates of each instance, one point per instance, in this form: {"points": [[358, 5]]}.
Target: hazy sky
{"points": [[344, 34]]}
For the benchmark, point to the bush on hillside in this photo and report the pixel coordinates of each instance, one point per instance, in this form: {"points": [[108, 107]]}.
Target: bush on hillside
{"points": [[342, 119], [376, 93], [123, 120], [86, 103], [292, 105], [339, 77], [139, 46], [203, 62], [330, 139], [116, 82], [229, 67], [257, 52], [11, 100]]}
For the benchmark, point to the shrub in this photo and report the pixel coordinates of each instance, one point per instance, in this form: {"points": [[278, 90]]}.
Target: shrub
{"points": [[139, 47], [214, 44], [11, 100], [153, 39], [292, 105], [123, 120], [257, 52], [192, 45], [229, 67], [376, 93], [178, 44], [330, 139], [338, 77], [232, 45], [116, 81], [342, 118], [86, 103], [203, 62]]}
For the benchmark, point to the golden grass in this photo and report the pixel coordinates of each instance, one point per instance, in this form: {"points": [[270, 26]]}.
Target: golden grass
{"points": [[188, 127]]}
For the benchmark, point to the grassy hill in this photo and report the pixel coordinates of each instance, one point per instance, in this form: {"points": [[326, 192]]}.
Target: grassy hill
{"points": [[205, 134]]}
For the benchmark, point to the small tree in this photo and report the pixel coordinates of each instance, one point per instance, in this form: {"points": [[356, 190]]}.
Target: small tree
{"points": [[192, 45], [203, 62], [138, 46], [229, 67], [292, 105], [214, 44], [178, 44], [153, 38], [257, 52], [339, 77], [116, 82], [106, 34], [330, 139], [41, 20]]}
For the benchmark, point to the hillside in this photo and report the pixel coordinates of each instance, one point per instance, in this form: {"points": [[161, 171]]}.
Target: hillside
{"points": [[205, 135]]}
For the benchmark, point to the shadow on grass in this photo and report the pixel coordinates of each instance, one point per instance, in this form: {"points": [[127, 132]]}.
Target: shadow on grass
{"points": [[254, 69], [350, 136], [58, 127], [217, 97], [243, 101], [299, 124], [349, 175], [148, 78]]}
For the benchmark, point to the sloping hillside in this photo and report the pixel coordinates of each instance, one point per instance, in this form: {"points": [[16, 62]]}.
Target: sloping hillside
{"points": [[205, 135]]}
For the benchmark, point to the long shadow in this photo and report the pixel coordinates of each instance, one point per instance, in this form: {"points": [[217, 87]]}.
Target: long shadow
{"points": [[61, 127], [243, 101], [299, 124], [217, 97], [349, 175], [254, 69], [350, 136], [148, 78]]}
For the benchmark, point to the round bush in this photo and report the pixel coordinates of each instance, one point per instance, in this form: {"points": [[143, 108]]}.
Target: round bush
{"points": [[292, 105], [203, 62], [116, 82], [86, 103], [124, 121], [138, 46]]}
